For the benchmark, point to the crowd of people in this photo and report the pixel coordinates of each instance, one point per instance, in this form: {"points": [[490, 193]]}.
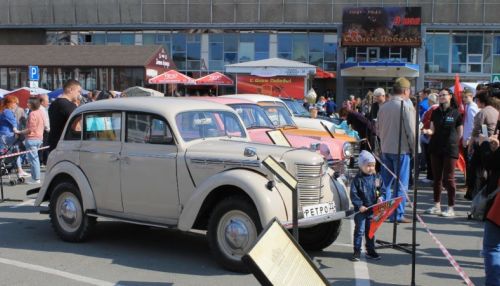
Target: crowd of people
{"points": [[451, 128]]}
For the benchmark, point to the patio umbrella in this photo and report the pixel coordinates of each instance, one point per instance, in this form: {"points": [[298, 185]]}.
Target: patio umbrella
{"points": [[24, 93], [321, 73], [3, 92], [172, 77], [55, 93], [216, 79], [136, 91]]}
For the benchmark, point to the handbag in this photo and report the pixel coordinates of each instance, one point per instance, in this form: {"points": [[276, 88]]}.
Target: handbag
{"points": [[479, 204]]}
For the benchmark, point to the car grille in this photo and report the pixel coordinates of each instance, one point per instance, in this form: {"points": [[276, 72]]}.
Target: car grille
{"points": [[309, 184]]}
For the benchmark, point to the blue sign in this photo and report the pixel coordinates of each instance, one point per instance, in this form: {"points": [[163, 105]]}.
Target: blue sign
{"points": [[34, 73]]}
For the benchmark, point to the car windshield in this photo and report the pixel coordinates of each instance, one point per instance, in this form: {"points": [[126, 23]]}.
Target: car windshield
{"points": [[297, 108], [199, 124], [279, 115], [253, 116]]}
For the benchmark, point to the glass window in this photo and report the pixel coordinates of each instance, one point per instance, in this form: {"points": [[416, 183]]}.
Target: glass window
{"points": [[127, 39], [442, 62], [496, 47], [180, 60], [441, 44], [216, 38], [261, 56], [262, 42], [99, 39], [194, 51], [104, 126], [231, 43], [3, 78], [459, 68], [316, 42], [287, 56], [459, 54], [147, 129], [247, 37], [179, 42], [247, 52], [475, 44], [496, 64], [285, 43], [330, 50], [74, 131], [230, 58], [216, 51], [459, 39], [216, 65], [148, 39], [194, 125], [253, 116], [487, 54], [300, 47], [316, 59], [112, 38]]}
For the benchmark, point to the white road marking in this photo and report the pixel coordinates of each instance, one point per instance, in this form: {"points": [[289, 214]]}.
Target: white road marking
{"points": [[360, 267], [56, 272], [25, 203]]}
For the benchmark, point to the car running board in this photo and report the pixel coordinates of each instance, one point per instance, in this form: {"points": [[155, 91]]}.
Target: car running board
{"points": [[132, 221]]}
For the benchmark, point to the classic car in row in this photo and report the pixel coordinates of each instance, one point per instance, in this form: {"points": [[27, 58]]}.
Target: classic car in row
{"points": [[183, 164]]}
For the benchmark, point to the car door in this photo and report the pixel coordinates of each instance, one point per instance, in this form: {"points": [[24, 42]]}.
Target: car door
{"points": [[149, 169], [100, 157]]}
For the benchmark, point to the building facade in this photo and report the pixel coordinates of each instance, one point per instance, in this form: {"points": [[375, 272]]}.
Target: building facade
{"points": [[201, 36]]}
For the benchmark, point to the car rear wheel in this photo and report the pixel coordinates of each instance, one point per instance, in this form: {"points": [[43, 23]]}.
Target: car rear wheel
{"points": [[319, 237], [233, 228], [66, 213]]}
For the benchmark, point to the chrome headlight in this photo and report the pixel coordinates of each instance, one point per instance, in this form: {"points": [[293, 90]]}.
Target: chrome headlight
{"points": [[346, 150]]}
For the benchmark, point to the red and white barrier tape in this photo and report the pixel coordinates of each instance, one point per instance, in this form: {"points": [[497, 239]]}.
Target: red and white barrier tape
{"points": [[21, 153], [443, 249]]}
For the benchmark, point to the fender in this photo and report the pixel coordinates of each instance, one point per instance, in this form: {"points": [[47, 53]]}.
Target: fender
{"points": [[269, 203], [66, 167]]}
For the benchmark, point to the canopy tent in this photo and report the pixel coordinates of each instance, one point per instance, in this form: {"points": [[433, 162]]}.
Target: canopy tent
{"points": [[215, 78], [379, 69], [137, 91], [172, 77], [24, 93], [322, 74]]}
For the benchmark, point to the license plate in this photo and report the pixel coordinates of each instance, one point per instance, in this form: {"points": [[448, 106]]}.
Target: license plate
{"points": [[319, 209]]}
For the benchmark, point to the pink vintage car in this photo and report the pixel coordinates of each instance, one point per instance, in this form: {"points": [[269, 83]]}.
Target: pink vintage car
{"points": [[258, 123]]}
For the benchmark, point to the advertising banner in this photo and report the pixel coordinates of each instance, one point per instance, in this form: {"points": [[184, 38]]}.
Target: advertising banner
{"points": [[284, 86], [377, 26]]}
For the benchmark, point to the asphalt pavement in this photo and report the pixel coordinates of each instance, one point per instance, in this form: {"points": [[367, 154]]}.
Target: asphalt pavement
{"points": [[124, 254]]}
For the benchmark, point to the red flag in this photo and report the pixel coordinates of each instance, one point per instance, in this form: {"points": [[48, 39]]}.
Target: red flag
{"points": [[458, 94], [381, 212], [461, 159]]}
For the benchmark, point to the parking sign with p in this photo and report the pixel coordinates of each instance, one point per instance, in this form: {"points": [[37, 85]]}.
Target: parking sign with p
{"points": [[34, 73]]}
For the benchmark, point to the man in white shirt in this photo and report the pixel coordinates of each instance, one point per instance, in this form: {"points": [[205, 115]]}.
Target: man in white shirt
{"points": [[471, 110]]}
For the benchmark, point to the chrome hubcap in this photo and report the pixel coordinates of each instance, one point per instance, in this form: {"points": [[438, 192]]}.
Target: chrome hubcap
{"points": [[69, 212], [236, 233]]}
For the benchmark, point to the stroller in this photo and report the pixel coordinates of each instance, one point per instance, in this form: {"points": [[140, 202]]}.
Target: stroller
{"points": [[8, 165]]}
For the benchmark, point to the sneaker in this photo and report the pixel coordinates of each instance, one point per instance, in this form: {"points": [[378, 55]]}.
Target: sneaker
{"points": [[426, 181], [24, 174], [356, 256], [33, 182], [448, 213], [373, 255], [433, 210]]}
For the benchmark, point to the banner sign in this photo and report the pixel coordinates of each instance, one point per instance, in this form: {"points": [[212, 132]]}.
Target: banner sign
{"points": [[381, 212], [377, 26], [283, 86]]}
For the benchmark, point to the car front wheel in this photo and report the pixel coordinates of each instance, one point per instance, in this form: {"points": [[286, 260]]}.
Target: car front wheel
{"points": [[66, 213], [319, 237], [233, 228]]}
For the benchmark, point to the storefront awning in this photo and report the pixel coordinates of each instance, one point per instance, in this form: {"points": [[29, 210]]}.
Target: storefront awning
{"points": [[379, 69]]}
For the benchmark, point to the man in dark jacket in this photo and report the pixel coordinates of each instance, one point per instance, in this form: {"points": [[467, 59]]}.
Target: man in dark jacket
{"points": [[361, 124]]}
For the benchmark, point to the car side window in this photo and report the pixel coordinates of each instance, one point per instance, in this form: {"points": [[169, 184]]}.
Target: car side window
{"points": [[147, 129], [102, 126], [74, 131]]}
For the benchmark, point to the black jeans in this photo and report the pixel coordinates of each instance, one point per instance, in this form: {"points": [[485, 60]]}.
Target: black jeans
{"points": [[475, 173]]}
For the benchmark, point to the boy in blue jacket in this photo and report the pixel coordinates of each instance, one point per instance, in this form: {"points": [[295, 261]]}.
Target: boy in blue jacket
{"points": [[364, 194]]}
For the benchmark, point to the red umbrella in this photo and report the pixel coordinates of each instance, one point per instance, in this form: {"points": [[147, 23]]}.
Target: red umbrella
{"points": [[171, 77], [215, 78], [321, 73]]}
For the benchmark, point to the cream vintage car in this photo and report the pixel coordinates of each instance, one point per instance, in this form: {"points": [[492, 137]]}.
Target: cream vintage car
{"points": [[183, 164]]}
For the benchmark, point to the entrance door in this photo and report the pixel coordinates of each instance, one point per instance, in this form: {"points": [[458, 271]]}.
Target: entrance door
{"points": [[373, 54]]}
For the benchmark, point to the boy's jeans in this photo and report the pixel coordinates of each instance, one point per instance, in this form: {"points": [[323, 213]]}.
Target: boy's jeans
{"points": [[391, 161], [491, 252], [32, 145], [362, 226]]}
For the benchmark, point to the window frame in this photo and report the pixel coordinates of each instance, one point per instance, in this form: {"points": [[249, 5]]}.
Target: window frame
{"points": [[154, 116]]}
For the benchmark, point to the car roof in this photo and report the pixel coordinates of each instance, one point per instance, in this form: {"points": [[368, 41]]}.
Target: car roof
{"points": [[254, 97], [166, 106], [224, 100]]}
